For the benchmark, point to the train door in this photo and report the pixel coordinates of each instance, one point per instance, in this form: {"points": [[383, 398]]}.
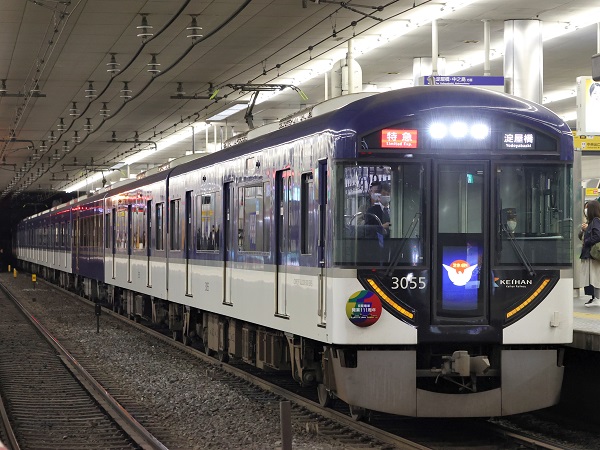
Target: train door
{"points": [[129, 241], [282, 246], [460, 266], [149, 242], [322, 218], [113, 231], [76, 244], [188, 242], [230, 240]]}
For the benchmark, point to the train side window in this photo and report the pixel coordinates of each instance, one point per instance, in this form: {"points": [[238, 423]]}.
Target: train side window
{"points": [[307, 201], [207, 227], [107, 231], [267, 205], [148, 224], [139, 226], [160, 245], [122, 228], [251, 219], [175, 224]]}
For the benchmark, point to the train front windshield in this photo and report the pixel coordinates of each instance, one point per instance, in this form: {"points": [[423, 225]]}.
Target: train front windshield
{"points": [[393, 213]]}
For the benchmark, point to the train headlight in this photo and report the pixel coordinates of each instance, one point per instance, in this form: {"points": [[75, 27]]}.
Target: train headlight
{"points": [[438, 130], [459, 130], [480, 131]]}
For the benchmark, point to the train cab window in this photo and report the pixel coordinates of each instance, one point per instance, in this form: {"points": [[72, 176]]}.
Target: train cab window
{"points": [[175, 224], [160, 245], [307, 205], [533, 207], [251, 226], [378, 218], [208, 227]]}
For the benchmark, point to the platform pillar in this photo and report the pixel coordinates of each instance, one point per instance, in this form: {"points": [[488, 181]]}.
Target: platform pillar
{"points": [[524, 59]]}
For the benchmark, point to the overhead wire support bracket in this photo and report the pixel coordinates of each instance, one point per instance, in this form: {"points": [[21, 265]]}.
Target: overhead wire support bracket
{"points": [[256, 88], [353, 7], [195, 97]]}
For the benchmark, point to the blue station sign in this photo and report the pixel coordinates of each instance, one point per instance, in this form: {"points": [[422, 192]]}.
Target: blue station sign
{"points": [[466, 80]]}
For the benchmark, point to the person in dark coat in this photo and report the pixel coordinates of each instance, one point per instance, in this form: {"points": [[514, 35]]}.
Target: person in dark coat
{"points": [[590, 235]]}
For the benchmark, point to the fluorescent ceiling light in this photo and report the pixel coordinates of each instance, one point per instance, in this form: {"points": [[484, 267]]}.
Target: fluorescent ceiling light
{"points": [[228, 112], [164, 143], [377, 37], [87, 181]]}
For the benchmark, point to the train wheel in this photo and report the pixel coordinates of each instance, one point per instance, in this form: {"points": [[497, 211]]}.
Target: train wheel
{"points": [[325, 397], [357, 413]]}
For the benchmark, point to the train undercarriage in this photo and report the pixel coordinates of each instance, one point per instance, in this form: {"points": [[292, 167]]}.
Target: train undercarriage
{"points": [[410, 376]]}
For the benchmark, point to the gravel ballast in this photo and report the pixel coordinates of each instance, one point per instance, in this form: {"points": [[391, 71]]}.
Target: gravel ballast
{"points": [[179, 391]]}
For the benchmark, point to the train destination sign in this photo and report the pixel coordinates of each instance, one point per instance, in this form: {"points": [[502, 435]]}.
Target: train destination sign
{"points": [[518, 140], [395, 138]]}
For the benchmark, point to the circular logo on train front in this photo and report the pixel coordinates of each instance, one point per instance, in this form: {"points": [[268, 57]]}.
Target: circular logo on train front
{"points": [[363, 308]]}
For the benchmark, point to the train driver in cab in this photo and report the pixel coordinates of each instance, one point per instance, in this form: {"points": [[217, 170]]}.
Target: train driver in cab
{"points": [[377, 217]]}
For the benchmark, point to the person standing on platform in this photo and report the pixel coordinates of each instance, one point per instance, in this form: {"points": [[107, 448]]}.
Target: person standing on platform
{"points": [[590, 235]]}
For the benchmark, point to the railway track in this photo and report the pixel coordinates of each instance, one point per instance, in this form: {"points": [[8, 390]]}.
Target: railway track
{"points": [[382, 431], [50, 400]]}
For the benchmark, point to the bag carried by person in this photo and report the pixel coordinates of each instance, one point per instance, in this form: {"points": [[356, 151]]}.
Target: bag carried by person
{"points": [[595, 251]]}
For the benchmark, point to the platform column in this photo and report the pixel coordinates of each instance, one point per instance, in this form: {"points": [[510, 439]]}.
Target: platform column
{"points": [[523, 59]]}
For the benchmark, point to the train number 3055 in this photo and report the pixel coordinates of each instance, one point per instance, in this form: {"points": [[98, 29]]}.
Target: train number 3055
{"points": [[408, 282]]}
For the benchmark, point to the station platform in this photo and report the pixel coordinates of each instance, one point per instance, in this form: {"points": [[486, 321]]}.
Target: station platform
{"points": [[586, 325]]}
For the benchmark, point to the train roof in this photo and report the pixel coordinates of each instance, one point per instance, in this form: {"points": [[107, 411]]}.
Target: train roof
{"points": [[363, 113], [368, 113]]}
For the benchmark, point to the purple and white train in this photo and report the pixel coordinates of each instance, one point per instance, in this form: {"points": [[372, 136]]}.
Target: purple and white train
{"points": [[458, 306]]}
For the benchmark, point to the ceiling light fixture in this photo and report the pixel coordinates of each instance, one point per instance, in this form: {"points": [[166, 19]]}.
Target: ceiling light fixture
{"points": [[144, 28], [104, 112], [90, 92], [52, 138], [88, 125], [61, 125], [76, 139], [66, 147], [125, 92], [56, 156], [74, 112], [43, 147], [113, 65], [194, 29], [153, 65]]}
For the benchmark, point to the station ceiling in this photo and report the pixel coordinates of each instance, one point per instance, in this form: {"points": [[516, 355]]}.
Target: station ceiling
{"points": [[90, 63]]}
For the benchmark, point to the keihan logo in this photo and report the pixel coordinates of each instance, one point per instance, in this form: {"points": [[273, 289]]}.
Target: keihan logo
{"points": [[460, 272]]}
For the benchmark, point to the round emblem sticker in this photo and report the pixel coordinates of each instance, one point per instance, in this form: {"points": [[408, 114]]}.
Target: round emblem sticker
{"points": [[363, 308]]}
